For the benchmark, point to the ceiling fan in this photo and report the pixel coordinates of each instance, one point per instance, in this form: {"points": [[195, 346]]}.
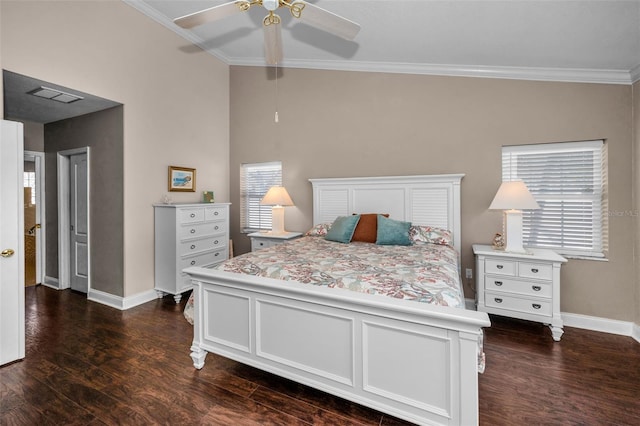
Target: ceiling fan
{"points": [[306, 12]]}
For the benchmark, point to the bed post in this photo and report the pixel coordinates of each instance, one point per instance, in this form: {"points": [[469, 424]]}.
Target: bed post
{"points": [[198, 354]]}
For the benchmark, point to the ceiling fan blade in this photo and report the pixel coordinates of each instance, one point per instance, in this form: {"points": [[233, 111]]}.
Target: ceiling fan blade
{"points": [[273, 43], [212, 14], [325, 20]]}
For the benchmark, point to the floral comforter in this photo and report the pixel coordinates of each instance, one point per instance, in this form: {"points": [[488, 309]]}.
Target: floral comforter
{"points": [[422, 272]]}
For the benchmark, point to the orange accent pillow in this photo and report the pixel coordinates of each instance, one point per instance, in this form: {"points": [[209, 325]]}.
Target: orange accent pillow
{"points": [[367, 229]]}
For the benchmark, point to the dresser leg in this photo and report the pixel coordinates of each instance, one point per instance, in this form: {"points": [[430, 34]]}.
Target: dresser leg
{"points": [[160, 294], [556, 332], [198, 355], [177, 298]]}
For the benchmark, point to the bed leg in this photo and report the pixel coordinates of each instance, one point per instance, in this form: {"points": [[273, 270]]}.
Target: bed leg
{"points": [[198, 355]]}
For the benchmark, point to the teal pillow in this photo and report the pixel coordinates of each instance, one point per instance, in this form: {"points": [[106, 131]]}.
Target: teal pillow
{"points": [[393, 232], [342, 229]]}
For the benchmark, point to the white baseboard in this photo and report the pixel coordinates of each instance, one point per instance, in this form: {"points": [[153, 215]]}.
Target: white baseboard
{"points": [[605, 325], [122, 303], [51, 282]]}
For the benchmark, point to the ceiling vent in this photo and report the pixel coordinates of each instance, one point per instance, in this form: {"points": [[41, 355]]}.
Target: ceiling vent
{"points": [[55, 95]]}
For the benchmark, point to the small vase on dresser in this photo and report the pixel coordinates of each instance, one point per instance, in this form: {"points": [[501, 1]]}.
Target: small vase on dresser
{"points": [[525, 286], [188, 235]]}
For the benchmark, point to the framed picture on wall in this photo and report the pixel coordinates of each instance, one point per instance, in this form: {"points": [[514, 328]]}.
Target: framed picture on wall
{"points": [[182, 179]]}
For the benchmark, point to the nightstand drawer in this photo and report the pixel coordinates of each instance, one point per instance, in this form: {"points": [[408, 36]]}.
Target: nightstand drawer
{"points": [[509, 285], [539, 271], [500, 267], [258, 244], [511, 303]]}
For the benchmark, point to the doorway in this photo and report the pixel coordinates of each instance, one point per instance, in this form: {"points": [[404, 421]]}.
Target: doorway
{"points": [[34, 218]]}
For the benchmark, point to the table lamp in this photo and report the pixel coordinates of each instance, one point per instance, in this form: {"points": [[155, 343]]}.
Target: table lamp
{"points": [[278, 197], [513, 197]]}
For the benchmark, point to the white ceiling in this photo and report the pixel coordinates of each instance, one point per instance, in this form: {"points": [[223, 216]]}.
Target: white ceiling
{"points": [[585, 41]]}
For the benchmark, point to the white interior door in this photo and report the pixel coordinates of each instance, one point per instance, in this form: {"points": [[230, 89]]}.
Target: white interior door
{"points": [[12, 336], [79, 204]]}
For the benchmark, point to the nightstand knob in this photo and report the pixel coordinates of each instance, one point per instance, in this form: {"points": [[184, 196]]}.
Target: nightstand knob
{"points": [[498, 300], [193, 262], [193, 246], [534, 270], [192, 215], [498, 283], [536, 287], [536, 306], [193, 231], [499, 266]]}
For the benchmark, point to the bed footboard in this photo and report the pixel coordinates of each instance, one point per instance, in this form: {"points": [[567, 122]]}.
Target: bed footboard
{"points": [[407, 359]]}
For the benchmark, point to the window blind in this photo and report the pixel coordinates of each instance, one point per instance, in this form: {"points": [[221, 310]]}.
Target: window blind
{"points": [[255, 181], [568, 180]]}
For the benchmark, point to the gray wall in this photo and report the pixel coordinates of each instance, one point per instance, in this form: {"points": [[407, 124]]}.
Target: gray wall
{"points": [[103, 133]]}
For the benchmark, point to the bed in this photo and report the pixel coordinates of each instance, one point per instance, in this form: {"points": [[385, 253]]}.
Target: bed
{"points": [[416, 361]]}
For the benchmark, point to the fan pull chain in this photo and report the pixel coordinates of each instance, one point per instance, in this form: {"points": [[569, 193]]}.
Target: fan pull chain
{"points": [[276, 115]]}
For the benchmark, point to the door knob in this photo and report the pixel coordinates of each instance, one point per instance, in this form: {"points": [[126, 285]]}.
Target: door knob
{"points": [[7, 253]]}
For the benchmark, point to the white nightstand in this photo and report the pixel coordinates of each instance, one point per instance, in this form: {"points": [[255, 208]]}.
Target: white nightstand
{"points": [[260, 240], [525, 286]]}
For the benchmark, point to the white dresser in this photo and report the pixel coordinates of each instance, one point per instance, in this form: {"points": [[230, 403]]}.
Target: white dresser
{"points": [[525, 286], [188, 235]]}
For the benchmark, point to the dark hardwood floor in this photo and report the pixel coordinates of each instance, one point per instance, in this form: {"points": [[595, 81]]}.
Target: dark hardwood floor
{"points": [[88, 364]]}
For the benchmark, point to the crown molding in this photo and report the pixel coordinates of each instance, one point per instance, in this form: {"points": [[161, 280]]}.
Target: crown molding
{"points": [[570, 75]]}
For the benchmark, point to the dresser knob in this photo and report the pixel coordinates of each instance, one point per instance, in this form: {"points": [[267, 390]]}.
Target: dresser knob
{"points": [[498, 283], [217, 254], [192, 215], [536, 306], [193, 262], [215, 213], [193, 246], [499, 266], [534, 270], [498, 300], [536, 287], [217, 227], [193, 231], [215, 243]]}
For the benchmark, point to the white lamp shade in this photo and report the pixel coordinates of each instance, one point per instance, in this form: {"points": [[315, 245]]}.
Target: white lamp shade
{"points": [[277, 196], [513, 196]]}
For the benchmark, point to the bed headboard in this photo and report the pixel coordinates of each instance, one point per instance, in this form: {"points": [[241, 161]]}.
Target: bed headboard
{"points": [[432, 200]]}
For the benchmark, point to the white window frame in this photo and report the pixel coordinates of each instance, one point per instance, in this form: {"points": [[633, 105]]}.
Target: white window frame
{"points": [[255, 181], [573, 216]]}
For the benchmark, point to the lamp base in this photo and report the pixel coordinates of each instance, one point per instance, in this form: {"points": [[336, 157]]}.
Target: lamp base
{"points": [[277, 220], [513, 231]]}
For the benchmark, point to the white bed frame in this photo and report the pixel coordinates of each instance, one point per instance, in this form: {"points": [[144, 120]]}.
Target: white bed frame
{"points": [[411, 360]]}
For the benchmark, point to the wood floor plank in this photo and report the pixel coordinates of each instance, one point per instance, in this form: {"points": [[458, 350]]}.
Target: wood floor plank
{"points": [[89, 364]]}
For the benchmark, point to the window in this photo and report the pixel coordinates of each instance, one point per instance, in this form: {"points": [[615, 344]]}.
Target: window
{"points": [[255, 181], [568, 180], [30, 182]]}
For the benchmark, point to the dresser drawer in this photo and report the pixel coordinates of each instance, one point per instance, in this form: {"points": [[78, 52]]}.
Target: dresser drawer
{"points": [[510, 285], [512, 303], [201, 230], [501, 267], [203, 259], [191, 215], [204, 244], [213, 213], [538, 271]]}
